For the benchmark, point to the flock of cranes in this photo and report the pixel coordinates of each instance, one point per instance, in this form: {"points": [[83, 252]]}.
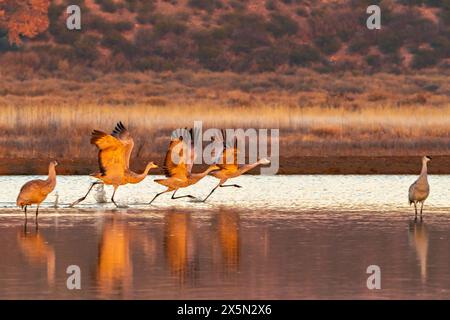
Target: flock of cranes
{"points": [[114, 152]]}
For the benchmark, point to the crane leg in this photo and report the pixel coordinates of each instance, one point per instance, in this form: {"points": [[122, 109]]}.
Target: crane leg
{"points": [[112, 198], [82, 199], [26, 220], [186, 196], [204, 200], [421, 208], [36, 220], [158, 194], [231, 185], [415, 209]]}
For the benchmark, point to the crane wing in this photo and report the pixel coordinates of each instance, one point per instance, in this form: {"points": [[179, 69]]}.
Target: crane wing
{"points": [[225, 163], [171, 169], [228, 159], [192, 154], [121, 133], [111, 155]]}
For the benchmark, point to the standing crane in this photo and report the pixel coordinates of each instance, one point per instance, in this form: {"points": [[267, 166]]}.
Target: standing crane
{"points": [[35, 191], [420, 189]]}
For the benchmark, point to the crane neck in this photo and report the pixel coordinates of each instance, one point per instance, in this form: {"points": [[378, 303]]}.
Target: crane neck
{"points": [[198, 176], [142, 176], [249, 167], [147, 169], [51, 173], [424, 168], [208, 170]]}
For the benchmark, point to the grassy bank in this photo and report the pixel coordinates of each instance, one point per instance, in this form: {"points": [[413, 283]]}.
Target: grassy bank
{"points": [[288, 165], [318, 115]]}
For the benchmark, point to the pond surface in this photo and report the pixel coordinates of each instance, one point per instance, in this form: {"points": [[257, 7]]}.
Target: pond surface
{"points": [[281, 237]]}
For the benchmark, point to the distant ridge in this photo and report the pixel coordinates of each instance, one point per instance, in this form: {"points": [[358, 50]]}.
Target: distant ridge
{"points": [[242, 36]]}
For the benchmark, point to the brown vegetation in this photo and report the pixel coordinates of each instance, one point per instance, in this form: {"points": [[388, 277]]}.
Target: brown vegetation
{"points": [[23, 18], [233, 35], [318, 115]]}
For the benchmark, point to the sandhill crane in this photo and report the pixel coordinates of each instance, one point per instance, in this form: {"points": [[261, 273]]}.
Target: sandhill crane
{"points": [[420, 189], [114, 160], [35, 191], [179, 174], [230, 169]]}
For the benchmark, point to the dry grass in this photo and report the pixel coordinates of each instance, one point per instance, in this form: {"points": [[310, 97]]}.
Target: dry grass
{"points": [[379, 115], [63, 131]]}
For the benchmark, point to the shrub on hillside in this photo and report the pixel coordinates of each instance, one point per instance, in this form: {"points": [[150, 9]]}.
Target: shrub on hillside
{"points": [[123, 26], [328, 44], [302, 12], [281, 25], [107, 5], [238, 5], [118, 43], [49, 55], [207, 5], [373, 60], [145, 11], [271, 5], [4, 43], [149, 63], [424, 58], [61, 34], [210, 57], [210, 49], [247, 31], [389, 42], [86, 48], [169, 24], [441, 45], [267, 59], [132, 5], [172, 48], [359, 44], [303, 55], [97, 23], [144, 40], [55, 11]]}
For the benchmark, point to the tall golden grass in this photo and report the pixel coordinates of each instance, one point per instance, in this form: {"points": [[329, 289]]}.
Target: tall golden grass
{"points": [[316, 114], [63, 131]]}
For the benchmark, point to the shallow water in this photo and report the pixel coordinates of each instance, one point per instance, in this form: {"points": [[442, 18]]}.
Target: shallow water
{"points": [[293, 193], [282, 237]]}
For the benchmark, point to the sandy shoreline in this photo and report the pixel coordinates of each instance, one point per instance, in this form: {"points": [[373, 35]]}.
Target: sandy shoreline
{"points": [[291, 165]]}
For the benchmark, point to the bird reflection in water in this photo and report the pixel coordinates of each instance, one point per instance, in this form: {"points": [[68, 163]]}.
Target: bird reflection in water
{"points": [[115, 269], [418, 238], [227, 223], [37, 251], [179, 246]]}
